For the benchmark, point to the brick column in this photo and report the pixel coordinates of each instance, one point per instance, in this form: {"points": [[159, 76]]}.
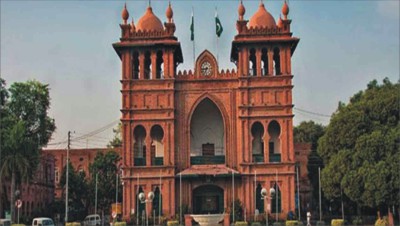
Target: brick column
{"points": [[258, 62], [270, 62], [153, 65], [141, 65]]}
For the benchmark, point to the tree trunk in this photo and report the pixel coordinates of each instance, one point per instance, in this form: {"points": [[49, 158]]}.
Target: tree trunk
{"points": [[12, 196], [390, 217]]}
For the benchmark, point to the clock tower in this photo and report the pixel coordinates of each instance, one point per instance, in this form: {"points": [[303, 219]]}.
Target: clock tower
{"points": [[189, 135]]}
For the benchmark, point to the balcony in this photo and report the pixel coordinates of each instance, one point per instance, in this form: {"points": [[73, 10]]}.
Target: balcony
{"points": [[258, 158], [207, 160], [139, 161], [274, 157], [157, 161]]}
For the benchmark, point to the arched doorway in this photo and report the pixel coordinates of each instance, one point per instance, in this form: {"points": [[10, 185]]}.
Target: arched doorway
{"points": [[208, 199], [207, 139]]}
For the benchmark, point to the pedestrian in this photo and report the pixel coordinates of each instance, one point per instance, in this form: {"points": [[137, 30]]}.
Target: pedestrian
{"points": [[308, 218]]}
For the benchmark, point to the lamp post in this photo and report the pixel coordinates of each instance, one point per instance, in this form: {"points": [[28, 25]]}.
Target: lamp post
{"points": [[265, 196], [142, 198]]}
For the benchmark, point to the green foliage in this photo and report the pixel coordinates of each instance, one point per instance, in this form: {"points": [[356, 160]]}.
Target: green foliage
{"points": [[238, 211], [106, 166], [122, 223], [360, 147], [382, 222], [117, 139], [308, 132], [337, 222], [172, 223], [77, 192], [256, 224], [241, 223], [357, 220], [73, 224], [291, 223]]}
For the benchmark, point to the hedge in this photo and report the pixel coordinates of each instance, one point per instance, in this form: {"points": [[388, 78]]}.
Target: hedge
{"points": [[337, 222], [172, 223], [241, 223], [256, 224], [122, 223], [73, 224], [291, 223]]}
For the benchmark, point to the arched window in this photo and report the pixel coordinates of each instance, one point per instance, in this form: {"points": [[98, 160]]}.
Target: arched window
{"points": [[274, 131], [257, 131], [139, 147], [277, 61], [160, 65], [157, 146], [157, 202], [264, 62], [147, 65], [276, 204], [259, 201], [135, 65], [252, 63]]}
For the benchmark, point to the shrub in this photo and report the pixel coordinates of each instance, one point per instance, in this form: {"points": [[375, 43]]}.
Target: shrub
{"points": [[73, 224], [121, 223], [382, 222], [172, 223], [291, 223], [241, 223], [256, 224], [357, 221], [337, 222]]}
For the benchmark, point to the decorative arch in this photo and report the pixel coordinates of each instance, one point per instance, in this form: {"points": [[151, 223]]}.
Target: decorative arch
{"points": [[274, 144], [257, 141], [225, 122], [157, 144], [203, 57], [139, 145]]}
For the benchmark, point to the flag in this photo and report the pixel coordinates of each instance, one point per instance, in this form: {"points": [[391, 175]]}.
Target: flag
{"points": [[218, 26], [192, 28]]}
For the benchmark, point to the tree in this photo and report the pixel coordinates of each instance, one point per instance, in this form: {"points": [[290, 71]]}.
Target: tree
{"points": [[360, 148], [106, 166], [77, 192], [310, 132], [25, 129], [117, 139]]}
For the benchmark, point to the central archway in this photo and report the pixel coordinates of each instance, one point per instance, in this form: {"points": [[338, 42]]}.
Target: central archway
{"points": [[207, 139], [208, 199]]}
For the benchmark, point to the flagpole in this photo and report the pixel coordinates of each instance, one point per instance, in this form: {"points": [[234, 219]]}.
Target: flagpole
{"points": [[255, 193], [193, 43], [216, 16], [137, 201], [159, 203]]}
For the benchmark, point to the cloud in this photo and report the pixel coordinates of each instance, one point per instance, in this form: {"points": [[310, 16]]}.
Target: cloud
{"points": [[389, 8]]}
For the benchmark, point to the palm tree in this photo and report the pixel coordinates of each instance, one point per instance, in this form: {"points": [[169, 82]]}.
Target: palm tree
{"points": [[17, 162]]}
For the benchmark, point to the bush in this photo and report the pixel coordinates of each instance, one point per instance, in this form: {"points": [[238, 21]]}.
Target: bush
{"points": [[291, 223], [357, 221], [172, 223], [382, 222], [337, 222], [241, 223], [121, 223], [73, 224], [256, 224]]}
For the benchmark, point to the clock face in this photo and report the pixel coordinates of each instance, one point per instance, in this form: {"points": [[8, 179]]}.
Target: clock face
{"points": [[206, 68]]}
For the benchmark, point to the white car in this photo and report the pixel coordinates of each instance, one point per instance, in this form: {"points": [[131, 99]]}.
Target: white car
{"points": [[92, 220], [5, 222], [42, 221]]}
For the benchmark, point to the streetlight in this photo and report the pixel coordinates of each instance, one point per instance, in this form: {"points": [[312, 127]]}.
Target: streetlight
{"points": [[142, 198], [265, 196]]}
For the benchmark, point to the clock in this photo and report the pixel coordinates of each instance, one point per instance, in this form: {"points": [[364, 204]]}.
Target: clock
{"points": [[206, 68]]}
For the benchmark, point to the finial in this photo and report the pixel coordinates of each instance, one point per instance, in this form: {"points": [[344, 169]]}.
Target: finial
{"points": [[169, 13], [241, 10], [149, 3], [279, 23], [285, 9], [125, 14]]}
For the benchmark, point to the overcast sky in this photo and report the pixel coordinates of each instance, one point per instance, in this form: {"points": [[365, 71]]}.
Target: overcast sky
{"points": [[67, 44]]}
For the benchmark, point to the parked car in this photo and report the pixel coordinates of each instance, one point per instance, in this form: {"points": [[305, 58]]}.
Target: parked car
{"points": [[92, 220], [5, 222], [42, 221]]}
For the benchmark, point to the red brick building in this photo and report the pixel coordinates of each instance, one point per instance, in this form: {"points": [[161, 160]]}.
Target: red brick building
{"points": [[80, 160], [201, 126], [37, 194]]}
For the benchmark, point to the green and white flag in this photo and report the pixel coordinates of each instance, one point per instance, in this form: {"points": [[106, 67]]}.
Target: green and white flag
{"points": [[218, 25], [192, 28]]}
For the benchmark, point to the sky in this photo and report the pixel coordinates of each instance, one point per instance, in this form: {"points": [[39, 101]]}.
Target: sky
{"points": [[67, 44]]}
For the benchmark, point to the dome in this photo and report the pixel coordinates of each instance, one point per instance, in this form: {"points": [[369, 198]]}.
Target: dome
{"points": [[262, 18], [149, 22]]}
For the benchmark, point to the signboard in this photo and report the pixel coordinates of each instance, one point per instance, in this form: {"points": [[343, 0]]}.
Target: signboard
{"points": [[18, 203], [116, 207]]}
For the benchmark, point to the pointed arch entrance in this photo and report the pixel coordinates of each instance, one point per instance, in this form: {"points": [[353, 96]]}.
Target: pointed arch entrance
{"points": [[208, 199], [207, 134]]}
